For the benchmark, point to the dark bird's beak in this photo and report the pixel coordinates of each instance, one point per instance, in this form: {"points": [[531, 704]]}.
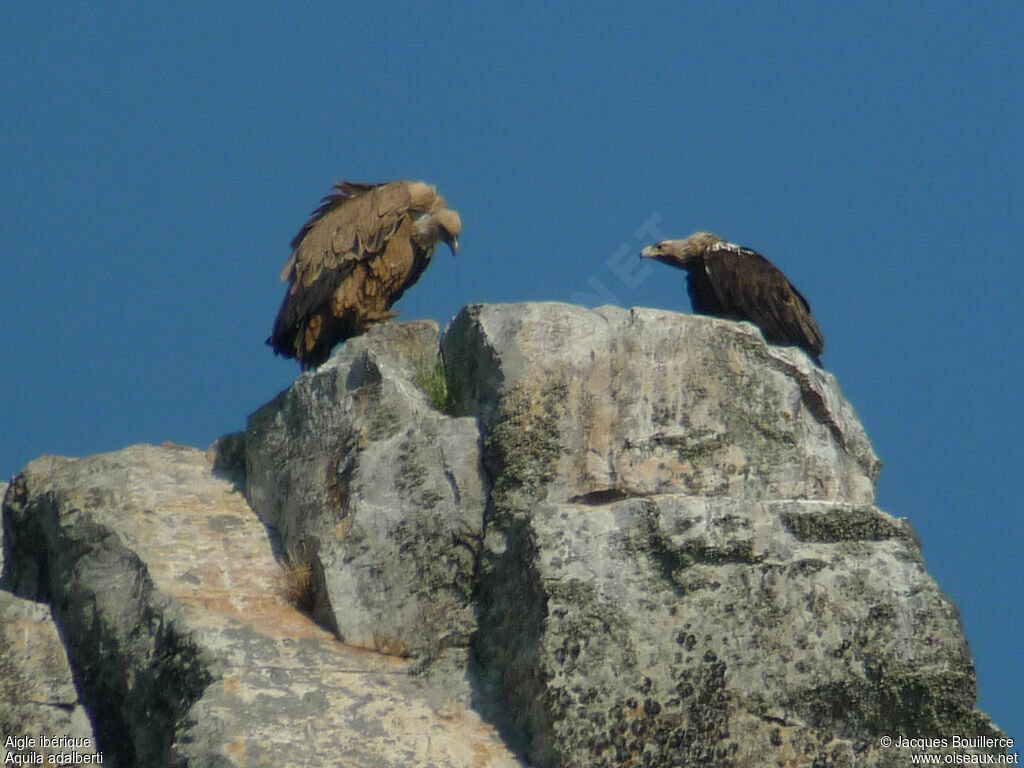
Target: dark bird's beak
{"points": [[649, 252], [453, 243]]}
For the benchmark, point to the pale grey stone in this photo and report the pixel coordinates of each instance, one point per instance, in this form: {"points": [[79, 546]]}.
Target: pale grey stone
{"points": [[649, 539], [37, 691], [683, 564], [644, 401], [382, 492], [168, 596]]}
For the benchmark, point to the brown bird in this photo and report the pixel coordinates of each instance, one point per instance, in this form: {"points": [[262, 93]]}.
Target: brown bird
{"points": [[355, 257], [730, 281]]}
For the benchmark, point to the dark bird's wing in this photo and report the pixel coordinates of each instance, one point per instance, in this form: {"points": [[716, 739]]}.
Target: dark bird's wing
{"points": [[349, 262], [703, 295], [749, 287]]}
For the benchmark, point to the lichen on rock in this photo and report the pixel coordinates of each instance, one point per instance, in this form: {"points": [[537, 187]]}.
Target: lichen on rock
{"points": [[645, 539]]}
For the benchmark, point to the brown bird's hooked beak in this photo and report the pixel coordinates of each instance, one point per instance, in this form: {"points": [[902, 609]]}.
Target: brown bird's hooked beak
{"points": [[453, 243], [649, 252]]}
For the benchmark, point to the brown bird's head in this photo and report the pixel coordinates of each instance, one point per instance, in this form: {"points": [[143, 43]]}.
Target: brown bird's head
{"points": [[440, 225], [450, 226], [681, 253]]}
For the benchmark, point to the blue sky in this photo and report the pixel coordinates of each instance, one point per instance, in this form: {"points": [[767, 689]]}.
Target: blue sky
{"points": [[157, 159]]}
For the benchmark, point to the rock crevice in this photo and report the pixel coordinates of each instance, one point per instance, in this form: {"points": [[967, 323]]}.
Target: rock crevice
{"points": [[630, 537]]}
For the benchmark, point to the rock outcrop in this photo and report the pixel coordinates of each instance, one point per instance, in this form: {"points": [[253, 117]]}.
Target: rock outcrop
{"points": [[683, 565], [383, 494], [37, 690], [623, 537], [185, 651]]}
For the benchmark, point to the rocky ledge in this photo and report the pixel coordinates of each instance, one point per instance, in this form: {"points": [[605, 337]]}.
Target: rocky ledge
{"points": [[561, 538]]}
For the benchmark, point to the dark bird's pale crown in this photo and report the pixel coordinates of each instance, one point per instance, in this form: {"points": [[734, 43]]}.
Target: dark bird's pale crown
{"points": [[737, 283], [678, 253]]}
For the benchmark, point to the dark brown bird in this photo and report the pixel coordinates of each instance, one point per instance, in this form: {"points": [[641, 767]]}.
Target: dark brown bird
{"points": [[355, 257], [737, 283]]}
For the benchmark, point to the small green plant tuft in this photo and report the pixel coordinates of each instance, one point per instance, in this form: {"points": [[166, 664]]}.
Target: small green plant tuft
{"points": [[430, 377]]}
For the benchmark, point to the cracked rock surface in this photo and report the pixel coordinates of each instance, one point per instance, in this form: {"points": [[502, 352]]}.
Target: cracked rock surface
{"points": [[186, 653], [37, 690], [624, 538], [682, 563], [381, 492]]}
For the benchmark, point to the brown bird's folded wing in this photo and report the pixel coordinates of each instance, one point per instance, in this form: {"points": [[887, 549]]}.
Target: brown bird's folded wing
{"points": [[353, 223], [347, 261]]}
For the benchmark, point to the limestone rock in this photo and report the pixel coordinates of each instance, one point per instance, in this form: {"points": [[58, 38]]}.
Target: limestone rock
{"points": [[37, 692], [379, 490], [642, 401], [683, 565], [648, 539], [168, 596]]}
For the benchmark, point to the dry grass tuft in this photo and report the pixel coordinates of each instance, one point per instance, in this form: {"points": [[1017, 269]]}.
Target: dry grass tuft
{"points": [[297, 584]]}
